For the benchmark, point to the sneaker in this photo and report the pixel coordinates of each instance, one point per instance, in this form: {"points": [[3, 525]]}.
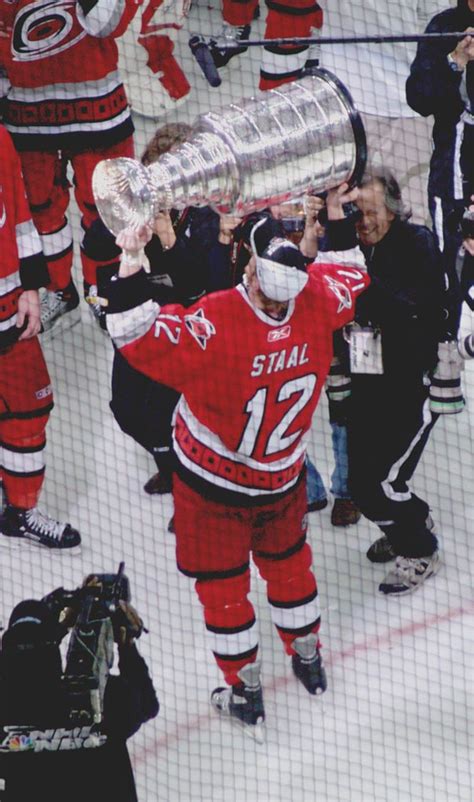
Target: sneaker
{"points": [[381, 551], [40, 528], [158, 484], [59, 309], [308, 665], [243, 703], [92, 300], [228, 35], [315, 506], [409, 573], [344, 512]]}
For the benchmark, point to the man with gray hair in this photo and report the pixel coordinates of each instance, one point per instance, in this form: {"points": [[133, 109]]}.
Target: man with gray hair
{"points": [[393, 351]]}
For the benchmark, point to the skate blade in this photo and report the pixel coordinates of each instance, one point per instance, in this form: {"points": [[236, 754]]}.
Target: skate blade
{"points": [[62, 324], [254, 731], [20, 543]]}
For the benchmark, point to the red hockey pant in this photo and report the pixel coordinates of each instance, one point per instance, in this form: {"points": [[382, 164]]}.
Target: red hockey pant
{"points": [[26, 398], [214, 543], [47, 188]]}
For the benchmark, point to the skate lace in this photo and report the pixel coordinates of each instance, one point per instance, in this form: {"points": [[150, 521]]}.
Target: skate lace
{"points": [[43, 524], [52, 304], [407, 567], [225, 698], [240, 32]]}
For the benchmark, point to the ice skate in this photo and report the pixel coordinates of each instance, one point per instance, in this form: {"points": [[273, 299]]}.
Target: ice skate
{"points": [[37, 527], [59, 310], [308, 665], [228, 36], [243, 703], [409, 574]]}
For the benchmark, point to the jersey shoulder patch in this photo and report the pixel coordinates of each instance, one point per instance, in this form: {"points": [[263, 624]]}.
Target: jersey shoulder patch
{"points": [[199, 327]]}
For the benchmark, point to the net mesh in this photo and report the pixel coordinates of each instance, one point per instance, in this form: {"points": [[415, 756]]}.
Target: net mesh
{"points": [[396, 721]]}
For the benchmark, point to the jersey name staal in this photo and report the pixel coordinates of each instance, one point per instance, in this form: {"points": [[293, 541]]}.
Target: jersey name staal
{"points": [[279, 360]]}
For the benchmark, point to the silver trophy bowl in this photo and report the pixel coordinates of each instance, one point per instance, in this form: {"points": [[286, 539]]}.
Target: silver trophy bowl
{"points": [[304, 137]]}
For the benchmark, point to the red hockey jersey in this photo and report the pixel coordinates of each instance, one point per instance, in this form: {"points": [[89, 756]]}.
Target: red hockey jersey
{"points": [[22, 264], [250, 384], [61, 61]]}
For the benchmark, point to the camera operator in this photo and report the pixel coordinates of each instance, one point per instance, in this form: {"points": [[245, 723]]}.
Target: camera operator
{"points": [[50, 750]]}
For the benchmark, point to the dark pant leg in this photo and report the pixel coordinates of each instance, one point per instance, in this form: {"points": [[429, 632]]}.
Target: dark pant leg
{"points": [[143, 409], [389, 427]]}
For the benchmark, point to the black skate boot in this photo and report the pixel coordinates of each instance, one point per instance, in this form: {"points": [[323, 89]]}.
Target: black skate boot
{"points": [[243, 703], [307, 664], [39, 528], [59, 310]]}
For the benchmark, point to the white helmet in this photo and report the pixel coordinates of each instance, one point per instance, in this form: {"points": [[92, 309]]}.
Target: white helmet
{"points": [[281, 267]]}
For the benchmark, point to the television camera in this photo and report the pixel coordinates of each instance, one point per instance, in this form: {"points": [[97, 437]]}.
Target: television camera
{"points": [[98, 620]]}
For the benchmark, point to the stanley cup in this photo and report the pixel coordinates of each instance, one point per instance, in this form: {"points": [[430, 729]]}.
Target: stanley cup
{"points": [[303, 137]]}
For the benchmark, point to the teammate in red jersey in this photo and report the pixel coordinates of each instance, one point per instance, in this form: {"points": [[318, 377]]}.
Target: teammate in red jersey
{"points": [[66, 104], [285, 18], [250, 363], [26, 396]]}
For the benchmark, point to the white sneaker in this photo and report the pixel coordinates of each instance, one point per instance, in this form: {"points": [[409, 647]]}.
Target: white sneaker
{"points": [[409, 573]]}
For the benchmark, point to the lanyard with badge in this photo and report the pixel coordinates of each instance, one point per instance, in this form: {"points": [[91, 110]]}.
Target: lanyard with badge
{"points": [[365, 348]]}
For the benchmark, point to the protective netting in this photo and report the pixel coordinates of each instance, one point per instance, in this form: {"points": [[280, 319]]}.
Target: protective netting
{"points": [[395, 723]]}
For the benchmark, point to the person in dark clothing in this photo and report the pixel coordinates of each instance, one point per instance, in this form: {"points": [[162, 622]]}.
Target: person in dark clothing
{"points": [[393, 351], [441, 83], [188, 256], [466, 266], [43, 757]]}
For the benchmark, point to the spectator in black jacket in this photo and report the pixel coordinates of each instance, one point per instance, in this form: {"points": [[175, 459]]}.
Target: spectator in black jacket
{"points": [[393, 350], [441, 83], [42, 757], [188, 256]]}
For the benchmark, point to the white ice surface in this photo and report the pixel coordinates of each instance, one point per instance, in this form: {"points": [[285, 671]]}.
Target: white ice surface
{"points": [[396, 724]]}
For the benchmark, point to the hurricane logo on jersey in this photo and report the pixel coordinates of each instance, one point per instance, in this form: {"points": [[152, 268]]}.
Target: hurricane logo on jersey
{"points": [[341, 291], [45, 28], [200, 328]]}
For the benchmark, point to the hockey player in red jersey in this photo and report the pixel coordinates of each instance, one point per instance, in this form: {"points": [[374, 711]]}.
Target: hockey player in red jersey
{"points": [[250, 363], [286, 18], [66, 105], [26, 396]]}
